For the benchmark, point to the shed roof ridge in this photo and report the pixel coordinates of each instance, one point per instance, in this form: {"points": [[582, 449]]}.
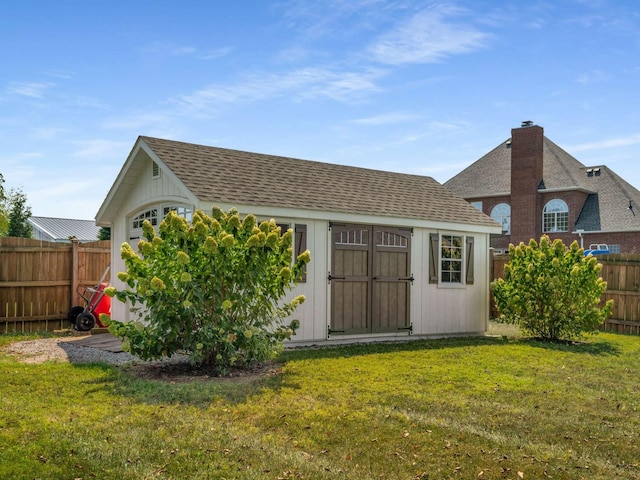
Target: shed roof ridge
{"points": [[284, 157]]}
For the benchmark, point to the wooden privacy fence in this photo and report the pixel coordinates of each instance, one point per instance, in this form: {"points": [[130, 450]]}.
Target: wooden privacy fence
{"points": [[621, 271], [39, 281]]}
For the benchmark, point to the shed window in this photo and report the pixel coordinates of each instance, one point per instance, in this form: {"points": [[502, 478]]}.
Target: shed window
{"points": [[451, 259], [184, 212], [555, 216], [301, 247], [151, 215]]}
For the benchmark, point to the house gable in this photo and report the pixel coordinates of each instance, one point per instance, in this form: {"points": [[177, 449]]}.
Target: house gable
{"points": [[602, 195]]}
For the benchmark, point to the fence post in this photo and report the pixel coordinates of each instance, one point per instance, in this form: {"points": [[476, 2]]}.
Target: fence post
{"points": [[74, 270]]}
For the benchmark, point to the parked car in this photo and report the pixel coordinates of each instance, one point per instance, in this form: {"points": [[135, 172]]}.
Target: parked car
{"points": [[597, 249]]}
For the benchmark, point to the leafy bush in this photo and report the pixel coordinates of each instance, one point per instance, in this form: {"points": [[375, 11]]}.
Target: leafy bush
{"points": [[212, 289], [550, 291]]}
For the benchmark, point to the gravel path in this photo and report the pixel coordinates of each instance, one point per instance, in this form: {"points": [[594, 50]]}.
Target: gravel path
{"points": [[64, 350]]}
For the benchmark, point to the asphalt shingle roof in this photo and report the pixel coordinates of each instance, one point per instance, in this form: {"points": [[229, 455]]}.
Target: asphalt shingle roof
{"points": [[244, 178], [606, 207]]}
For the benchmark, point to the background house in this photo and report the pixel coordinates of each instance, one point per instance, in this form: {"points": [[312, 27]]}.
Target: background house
{"points": [[531, 186], [63, 229], [391, 254]]}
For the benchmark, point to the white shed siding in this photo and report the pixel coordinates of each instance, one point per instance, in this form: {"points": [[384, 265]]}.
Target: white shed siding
{"points": [[456, 309], [148, 190], [313, 312]]}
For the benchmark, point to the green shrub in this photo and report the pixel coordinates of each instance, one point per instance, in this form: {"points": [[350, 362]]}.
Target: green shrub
{"points": [[550, 291], [213, 290]]}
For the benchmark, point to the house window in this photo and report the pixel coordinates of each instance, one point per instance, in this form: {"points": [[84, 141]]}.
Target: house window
{"points": [[614, 248], [555, 216], [477, 205], [155, 170], [451, 259], [501, 213]]}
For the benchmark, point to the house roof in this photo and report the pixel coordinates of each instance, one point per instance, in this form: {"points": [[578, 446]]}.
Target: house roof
{"points": [[606, 207], [63, 228], [243, 178]]}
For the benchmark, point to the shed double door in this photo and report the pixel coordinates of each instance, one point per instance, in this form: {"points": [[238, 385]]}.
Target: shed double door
{"points": [[370, 279]]}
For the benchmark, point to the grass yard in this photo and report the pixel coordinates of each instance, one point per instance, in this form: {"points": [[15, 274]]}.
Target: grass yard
{"points": [[483, 408]]}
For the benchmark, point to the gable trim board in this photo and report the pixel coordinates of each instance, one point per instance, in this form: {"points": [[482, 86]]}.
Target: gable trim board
{"points": [[312, 196]]}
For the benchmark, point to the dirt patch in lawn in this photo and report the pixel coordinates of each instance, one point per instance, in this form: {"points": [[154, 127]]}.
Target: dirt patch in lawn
{"points": [[181, 372]]}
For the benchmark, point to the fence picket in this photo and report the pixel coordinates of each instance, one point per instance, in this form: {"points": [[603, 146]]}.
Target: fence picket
{"points": [[39, 281]]}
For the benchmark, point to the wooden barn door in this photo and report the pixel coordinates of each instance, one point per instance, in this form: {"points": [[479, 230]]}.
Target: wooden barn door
{"points": [[350, 279], [370, 278], [391, 279]]}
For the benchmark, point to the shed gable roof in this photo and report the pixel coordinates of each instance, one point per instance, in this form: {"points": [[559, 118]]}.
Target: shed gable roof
{"points": [[243, 178]]}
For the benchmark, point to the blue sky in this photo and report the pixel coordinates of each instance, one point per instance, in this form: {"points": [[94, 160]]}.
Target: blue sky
{"points": [[408, 86]]}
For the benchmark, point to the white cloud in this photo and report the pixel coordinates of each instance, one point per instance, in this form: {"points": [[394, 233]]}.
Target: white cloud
{"points": [[169, 49], [427, 37], [136, 122], [300, 84], [594, 76], [28, 89], [215, 53], [633, 139], [387, 118], [98, 149]]}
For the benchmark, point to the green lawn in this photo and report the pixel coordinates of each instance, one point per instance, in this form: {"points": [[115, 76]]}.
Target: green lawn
{"points": [[492, 408]]}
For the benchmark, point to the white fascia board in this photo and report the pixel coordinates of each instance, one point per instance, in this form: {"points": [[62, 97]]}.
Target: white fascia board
{"points": [[364, 219]]}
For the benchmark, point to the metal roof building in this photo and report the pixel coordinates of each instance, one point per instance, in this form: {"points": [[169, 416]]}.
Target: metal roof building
{"points": [[62, 230]]}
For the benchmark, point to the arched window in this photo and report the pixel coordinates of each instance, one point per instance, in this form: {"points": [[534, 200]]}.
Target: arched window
{"points": [[501, 213], [155, 215], [555, 216]]}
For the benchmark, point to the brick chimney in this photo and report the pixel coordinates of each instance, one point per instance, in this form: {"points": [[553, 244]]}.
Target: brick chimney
{"points": [[526, 176]]}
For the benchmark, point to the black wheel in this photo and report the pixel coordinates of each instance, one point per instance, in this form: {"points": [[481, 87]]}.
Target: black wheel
{"points": [[73, 314], [85, 321]]}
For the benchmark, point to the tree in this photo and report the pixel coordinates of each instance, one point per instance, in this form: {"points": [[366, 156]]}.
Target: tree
{"points": [[212, 289], [104, 233], [550, 291], [18, 214]]}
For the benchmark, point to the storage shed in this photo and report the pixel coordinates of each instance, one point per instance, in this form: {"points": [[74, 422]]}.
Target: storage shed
{"points": [[392, 254]]}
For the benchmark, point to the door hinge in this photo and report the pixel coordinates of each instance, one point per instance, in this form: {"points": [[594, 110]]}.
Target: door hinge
{"points": [[410, 279], [330, 331], [332, 277], [409, 329]]}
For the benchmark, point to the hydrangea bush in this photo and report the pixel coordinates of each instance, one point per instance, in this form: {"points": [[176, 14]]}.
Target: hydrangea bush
{"points": [[212, 289], [551, 291]]}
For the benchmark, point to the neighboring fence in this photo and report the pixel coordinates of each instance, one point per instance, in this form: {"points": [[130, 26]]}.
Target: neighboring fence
{"points": [[39, 281], [622, 274]]}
